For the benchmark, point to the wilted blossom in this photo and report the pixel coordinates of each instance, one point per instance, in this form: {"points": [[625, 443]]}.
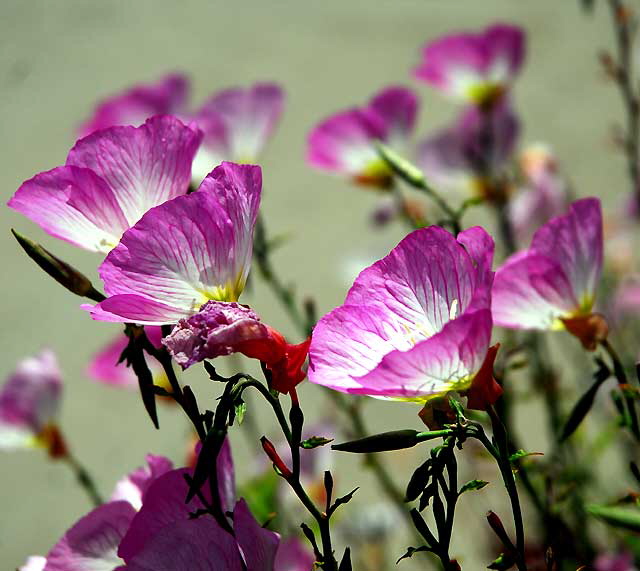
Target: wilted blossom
{"points": [[467, 155], [29, 403], [415, 324], [544, 193], [623, 561], [474, 67], [222, 328], [552, 285], [134, 106], [194, 274], [345, 142], [236, 122], [111, 178], [105, 368]]}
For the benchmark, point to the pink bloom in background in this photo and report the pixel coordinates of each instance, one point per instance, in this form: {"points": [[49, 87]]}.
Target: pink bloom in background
{"points": [[29, 403], [455, 158], [345, 142], [237, 123], [168, 96], [104, 366], [415, 324], [474, 67], [154, 277], [111, 178], [552, 285], [544, 195], [615, 562]]}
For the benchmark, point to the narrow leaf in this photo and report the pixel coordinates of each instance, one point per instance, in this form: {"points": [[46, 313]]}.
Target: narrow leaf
{"points": [[314, 442], [472, 485], [393, 440], [617, 516]]}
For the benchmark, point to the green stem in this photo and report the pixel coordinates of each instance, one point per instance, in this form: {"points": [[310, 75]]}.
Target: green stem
{"points": [[84, 479]]}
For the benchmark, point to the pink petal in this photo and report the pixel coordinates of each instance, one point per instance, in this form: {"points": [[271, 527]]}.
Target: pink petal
{"points": [[531, 291], [196, 545], [398, 107], [29, 400], [92, 543], [344, 142], [258, 545], [133, 487], [143, 166], [34, 563], [575, 242], [154, 277], [165, 97], [164, 506], [292, 555], [446, 361], [104, 366], [249, 117], [73, 204]]}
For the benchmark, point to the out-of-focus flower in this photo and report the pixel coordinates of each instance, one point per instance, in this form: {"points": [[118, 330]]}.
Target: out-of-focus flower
{"points": [[464, 157], [194, 275], [168, 96], [415, 324], [543, 196], [474, 67], [104, 366], [236, 122], [552, 285], [34, 563], [345, 142], [292, 555], [111, 178], [29, 403], [615, 562], [626, 301], [222, 328]]}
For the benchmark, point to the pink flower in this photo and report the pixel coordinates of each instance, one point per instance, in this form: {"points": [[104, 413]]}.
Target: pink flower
{"points": [[544, 195], [415, 324], [194, 275], [237, 123], [133, 487], [111, 178], [552, 285], [29, 403], [155, 277], [167, 96], [456, 158], [344, 143], [475, 67], [104, 366]]}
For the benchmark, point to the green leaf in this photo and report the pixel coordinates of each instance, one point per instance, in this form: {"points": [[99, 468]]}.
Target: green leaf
{"points": [[393, 440], [473, 485], [617, 516], [240, 408], [314, 442], [585, 402], [523, 454], [401, 166]]}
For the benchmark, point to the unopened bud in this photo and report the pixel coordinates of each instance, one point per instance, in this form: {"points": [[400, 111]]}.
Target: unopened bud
{"points": [[273, 455], [65, 274]]}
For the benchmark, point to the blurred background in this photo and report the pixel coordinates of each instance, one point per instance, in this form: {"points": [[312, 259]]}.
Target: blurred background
{"points": [[57, 59]]}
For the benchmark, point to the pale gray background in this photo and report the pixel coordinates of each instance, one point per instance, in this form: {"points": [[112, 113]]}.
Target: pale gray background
{"points": [[57, 58]]}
